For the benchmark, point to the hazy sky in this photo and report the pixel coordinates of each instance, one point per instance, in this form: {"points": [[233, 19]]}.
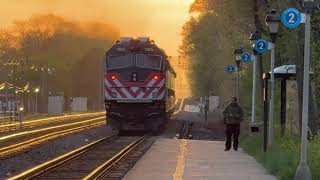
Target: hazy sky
{"points": [[160, 19]]}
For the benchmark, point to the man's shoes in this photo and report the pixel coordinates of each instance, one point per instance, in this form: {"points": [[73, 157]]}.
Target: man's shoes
{"points": [[227, 149], [236, 149]]}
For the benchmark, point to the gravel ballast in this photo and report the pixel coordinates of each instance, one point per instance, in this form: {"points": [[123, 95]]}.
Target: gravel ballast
{"points": [[49, 150]]}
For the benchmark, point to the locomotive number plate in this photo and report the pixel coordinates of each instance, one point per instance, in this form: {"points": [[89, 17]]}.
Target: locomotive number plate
{"points": [[148, 49]]}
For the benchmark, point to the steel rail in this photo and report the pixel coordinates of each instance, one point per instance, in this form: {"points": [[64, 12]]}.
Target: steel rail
{"points": [[12, 149], [45, 167], [185, 130], [68, 118], [106, 167], [26, 133], [43, 121]]}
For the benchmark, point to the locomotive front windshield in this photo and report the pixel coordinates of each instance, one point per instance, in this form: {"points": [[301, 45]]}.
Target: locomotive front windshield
{"points": [[121, 61], [131, 60], [148, 61]]}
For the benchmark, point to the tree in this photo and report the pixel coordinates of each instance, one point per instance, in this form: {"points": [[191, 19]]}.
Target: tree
{"points": [[51, 46]]}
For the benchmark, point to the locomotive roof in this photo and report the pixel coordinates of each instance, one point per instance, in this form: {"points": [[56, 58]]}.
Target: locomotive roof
{"points": [[127, 45], [140, 45]]}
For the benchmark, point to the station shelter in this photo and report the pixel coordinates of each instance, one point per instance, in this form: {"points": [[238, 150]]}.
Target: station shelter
{"points": [[286, 74]]}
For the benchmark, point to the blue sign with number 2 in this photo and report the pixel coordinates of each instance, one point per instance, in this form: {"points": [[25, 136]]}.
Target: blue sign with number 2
{"points": [[291, 18], [246, 57], [231, 68], [261, 46]]}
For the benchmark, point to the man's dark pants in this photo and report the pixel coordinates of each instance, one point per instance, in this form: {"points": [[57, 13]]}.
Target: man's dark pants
{"points": [[232, 129]]}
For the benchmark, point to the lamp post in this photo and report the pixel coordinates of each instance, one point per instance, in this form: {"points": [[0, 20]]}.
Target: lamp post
{"points": [[29, 102], [237, 54], [36, 91], [21, 109], [303, 171], [273, 22], [253, 38]]}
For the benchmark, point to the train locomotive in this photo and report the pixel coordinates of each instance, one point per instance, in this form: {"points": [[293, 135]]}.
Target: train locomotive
{"points": [[138, 85]]}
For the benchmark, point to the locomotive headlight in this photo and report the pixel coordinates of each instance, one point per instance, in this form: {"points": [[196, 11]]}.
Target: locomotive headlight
{"points": [[134, 76]]}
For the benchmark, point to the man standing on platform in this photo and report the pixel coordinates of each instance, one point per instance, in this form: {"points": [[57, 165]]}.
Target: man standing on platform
{"points": [[233, 115]]}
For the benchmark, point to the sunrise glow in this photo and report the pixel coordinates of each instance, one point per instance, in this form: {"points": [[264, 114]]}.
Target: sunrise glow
{"points": [[160, 19]]}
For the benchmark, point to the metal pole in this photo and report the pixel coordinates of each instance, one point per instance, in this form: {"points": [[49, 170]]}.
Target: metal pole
{"points": [[7, 101], [265, 115], [303, 171], [238, 78], [36, 103], [14, 92], [283, 105], [271, 115], [29, 102], [253, 112]]}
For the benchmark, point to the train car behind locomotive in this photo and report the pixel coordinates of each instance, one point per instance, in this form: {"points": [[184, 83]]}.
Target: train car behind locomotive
{"points": [[139, 85]]}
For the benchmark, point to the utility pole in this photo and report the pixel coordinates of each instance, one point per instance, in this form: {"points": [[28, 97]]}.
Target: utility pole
{"points": [[303, 171], [254, 71], [265, 115], [238, 81]]}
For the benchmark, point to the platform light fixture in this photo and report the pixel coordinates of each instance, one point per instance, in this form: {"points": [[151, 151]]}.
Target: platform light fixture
{"points": [[273, 23], [237, 54]]}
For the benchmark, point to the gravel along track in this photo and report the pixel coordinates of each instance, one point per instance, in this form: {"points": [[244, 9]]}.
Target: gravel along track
{"points": [[13, 144], [112, 156], [49, 150]]}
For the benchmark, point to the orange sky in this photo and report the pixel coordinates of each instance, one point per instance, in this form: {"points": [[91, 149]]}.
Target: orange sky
{"points": [[159, 19]]}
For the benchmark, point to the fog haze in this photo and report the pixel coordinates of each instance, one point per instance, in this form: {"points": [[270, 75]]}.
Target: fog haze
{"points": [[159, 19]]}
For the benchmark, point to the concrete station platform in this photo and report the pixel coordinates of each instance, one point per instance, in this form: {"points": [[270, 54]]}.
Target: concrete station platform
{"points": [[193, 159]]}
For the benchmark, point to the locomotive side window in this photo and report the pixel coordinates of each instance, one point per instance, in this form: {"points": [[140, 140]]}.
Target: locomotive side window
{"points": [[148, 61], [121, 61]]}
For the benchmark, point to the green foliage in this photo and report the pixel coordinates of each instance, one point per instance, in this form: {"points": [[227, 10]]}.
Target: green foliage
{"points": [[282, 159], [209, 40]]}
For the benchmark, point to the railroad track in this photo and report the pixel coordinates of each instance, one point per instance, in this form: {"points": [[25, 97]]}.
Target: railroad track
{"points": [[15, 143], [46, 121], [185, 130], [97, 160]]}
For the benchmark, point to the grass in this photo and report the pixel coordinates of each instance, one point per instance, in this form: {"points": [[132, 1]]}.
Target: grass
{"points": [[282, 159]]}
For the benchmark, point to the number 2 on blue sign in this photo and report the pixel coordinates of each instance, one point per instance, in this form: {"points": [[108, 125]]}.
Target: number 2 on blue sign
{"points": [[291, 18], [246, 57], [261, 45], [230, 69]]}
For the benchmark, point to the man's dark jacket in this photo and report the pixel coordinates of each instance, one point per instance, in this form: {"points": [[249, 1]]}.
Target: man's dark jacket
{"points": [[233, 114]]}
